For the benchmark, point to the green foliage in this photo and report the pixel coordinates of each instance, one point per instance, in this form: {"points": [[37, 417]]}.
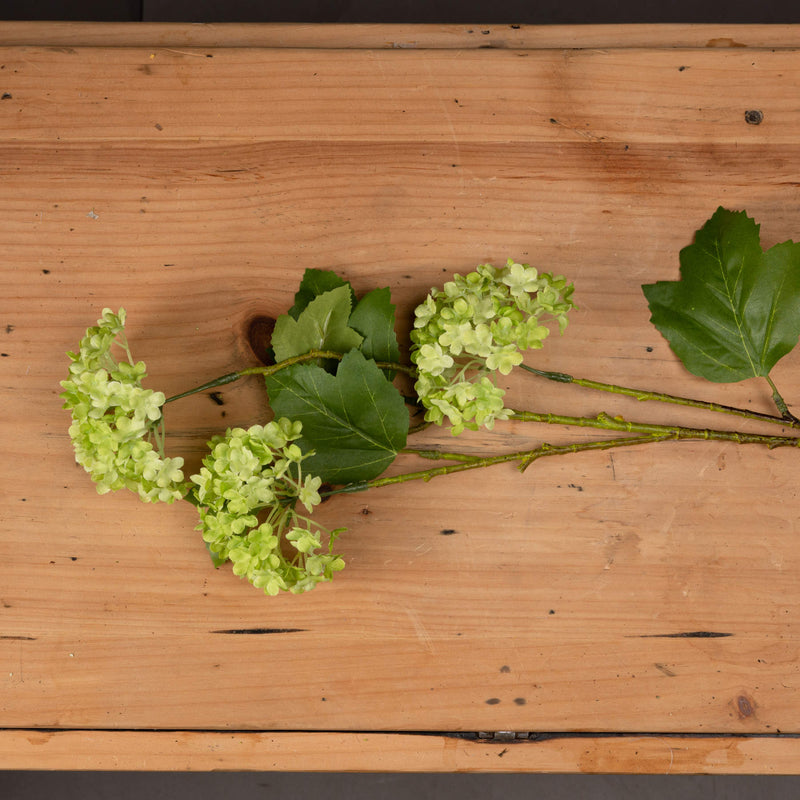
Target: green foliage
{"points": [[314, 283], [373, 318], [321, 325], [355, 422], [735, 310]]}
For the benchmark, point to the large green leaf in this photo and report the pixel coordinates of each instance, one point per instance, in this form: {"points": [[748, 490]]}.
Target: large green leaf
{"points": [[373, 318], [322, 325], [735, 310], [314, 283], [355, 421]]}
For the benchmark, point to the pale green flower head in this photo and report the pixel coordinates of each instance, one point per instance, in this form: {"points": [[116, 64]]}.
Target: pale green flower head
{"points": [[476, 326], [114, 418], [247, 491]]}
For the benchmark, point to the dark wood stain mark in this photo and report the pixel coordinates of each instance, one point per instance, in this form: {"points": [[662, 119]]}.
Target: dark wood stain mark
{"points": [[753, 116], [687, 635], [216, 397], [745, 706], [448, 531], [258, 631], [18, 638], [724, 41]]}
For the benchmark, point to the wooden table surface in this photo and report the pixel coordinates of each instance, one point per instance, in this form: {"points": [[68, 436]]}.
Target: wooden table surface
{"points": [[631, 611]]}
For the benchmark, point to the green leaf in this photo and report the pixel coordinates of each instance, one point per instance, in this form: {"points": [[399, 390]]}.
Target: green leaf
{"points": [[736, 310], [373, 318], [322, 325], [316, 282], [355, 421]]}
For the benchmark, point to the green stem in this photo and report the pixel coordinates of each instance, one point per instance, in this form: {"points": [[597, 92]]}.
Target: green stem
{"points": [[786, 415], [312, 355], [609, 423], [525, 457], [642, 394], [438, 455], [647, 433]]}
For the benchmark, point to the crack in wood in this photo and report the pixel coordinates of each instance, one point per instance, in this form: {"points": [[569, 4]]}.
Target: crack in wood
{"points": [[687, 635], [258, 631]]}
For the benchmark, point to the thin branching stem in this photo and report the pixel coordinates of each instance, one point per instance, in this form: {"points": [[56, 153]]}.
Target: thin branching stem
{"points": [[644, 394], [266, 371]]}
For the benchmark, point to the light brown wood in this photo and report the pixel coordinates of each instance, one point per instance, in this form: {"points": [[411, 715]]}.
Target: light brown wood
{"points": [[570, 99], [397, 36], [194, 188], [158, 751]]}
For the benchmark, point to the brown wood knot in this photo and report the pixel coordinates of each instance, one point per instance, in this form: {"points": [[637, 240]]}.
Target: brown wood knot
{"points": [[745, 706], [753, 116], [259, 337]]}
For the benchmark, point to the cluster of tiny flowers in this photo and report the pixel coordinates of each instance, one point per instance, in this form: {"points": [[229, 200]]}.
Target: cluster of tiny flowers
{"points": [[474, 327], [259, 470], [113, 417]]}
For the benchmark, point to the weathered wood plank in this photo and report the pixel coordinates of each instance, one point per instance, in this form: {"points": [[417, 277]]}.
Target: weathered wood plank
{"points": [[653, 590], [625, 96], [397, 36], [387, 752]]}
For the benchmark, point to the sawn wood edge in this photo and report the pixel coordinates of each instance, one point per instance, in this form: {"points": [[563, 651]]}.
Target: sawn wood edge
{"points": [[205, 751], [389, 36]]}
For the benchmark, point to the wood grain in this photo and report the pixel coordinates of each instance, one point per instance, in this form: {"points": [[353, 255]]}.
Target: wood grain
{"points": [[650, 591], [395, 36], [161, 751]]}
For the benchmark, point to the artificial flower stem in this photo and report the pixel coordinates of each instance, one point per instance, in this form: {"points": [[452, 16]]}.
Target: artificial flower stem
{"points": [[643, 394], [648, 434], [609, 423], [525, 458], [780, 403], [266, 371], [438, 455]]}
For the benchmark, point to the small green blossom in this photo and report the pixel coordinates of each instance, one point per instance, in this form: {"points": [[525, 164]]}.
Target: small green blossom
{"points": [[432, 359], [478, 326], [521, 279], [504, 360]]}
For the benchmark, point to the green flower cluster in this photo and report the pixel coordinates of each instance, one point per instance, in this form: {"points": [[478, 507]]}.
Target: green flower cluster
{"points": [[474, 327], [259, 470], [114, 418]]}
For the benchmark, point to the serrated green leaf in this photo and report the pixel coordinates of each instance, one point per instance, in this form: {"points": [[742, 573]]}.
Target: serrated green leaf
{"points": [[736, 310], [355, 421], [322, 325], [316, 282], [373, 318]]}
